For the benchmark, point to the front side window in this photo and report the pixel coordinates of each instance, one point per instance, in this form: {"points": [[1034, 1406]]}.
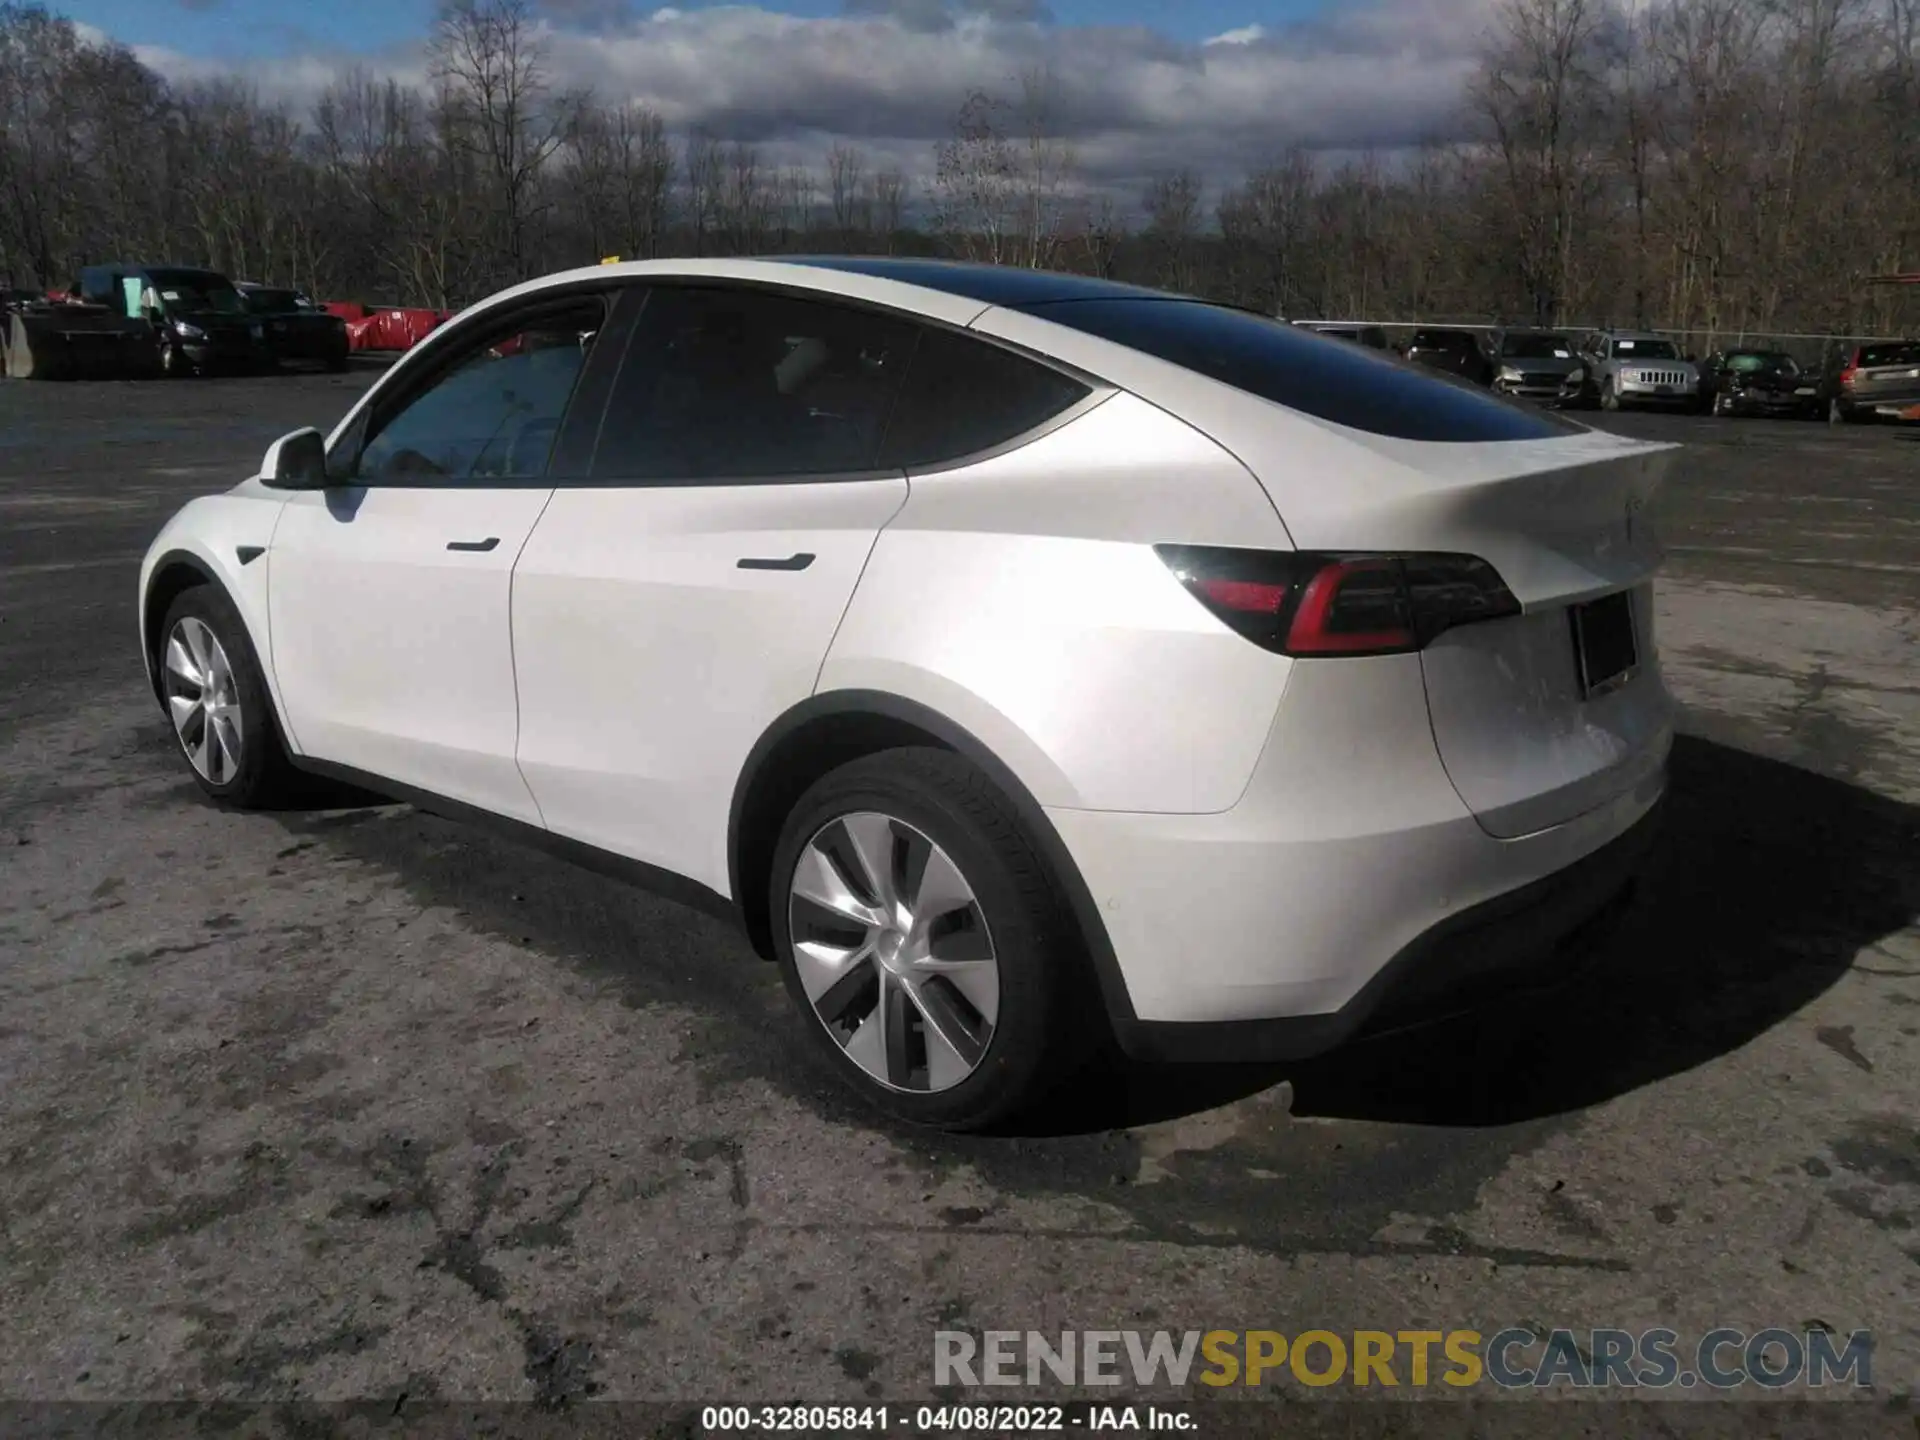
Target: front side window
{"points": [[495, 413], [724, 384]]}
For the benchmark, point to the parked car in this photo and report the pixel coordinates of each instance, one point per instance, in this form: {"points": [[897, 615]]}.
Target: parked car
{"points": [[1538, 365], [1458, 352], [1372, 336], [1881, 379], [298, 330], [1758, 382], [1636, 368], [198, 319], [791, 589]]}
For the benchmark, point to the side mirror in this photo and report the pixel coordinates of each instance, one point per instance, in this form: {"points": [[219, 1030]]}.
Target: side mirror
{"points": [[296, 462]]}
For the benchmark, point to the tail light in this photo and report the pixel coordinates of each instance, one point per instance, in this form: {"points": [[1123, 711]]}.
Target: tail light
{"points": [[1320, 604], [1848, 371]]}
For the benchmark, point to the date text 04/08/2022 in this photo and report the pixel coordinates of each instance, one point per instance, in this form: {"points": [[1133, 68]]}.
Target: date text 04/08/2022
{"points": [[936, 1419]]}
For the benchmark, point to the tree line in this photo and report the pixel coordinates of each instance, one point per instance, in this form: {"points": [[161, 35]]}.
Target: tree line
{"points": [[1711, 165]]}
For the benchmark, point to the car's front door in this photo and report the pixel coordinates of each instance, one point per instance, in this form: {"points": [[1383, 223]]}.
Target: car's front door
{"points": [[669, 609], [389, 591]]}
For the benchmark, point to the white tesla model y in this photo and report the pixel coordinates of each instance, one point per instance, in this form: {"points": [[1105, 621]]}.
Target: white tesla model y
{"points": [[1013, 654]]}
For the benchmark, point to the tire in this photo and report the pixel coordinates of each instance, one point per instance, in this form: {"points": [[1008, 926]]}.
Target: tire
{"points": [[1722, 405], [336, 364], [1609, 397], [173, 360], [923, 806], [213, 641]]}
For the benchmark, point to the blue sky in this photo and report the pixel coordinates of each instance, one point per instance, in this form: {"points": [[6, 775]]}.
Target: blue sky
{"points": [[256, 29]]}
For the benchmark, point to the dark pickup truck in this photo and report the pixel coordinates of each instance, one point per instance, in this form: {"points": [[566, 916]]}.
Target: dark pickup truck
{"points": [[198, 320]]}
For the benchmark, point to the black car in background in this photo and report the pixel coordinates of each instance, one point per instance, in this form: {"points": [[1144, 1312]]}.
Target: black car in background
{"points": [[198, 319], [1759, 382], [1458, 352], [298, 331]]}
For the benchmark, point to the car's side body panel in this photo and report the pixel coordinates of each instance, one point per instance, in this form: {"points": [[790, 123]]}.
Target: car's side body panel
{"points": [[393, 647], [1021, 596], [651, 660]]}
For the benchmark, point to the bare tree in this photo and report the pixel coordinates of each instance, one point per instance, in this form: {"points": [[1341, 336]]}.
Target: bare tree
{"points": [[1172, 208], [1536, 93], [491, 66], [846, 184], [883, 208]]}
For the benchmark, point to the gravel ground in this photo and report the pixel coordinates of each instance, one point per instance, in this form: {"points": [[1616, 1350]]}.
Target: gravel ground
{"points": [[358, 1103]]}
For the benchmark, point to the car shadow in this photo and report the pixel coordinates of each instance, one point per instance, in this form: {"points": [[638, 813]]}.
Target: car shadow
{"points": [[1765, 883]]}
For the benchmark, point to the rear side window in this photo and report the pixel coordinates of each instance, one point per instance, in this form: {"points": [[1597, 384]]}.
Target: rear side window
{"points": [[964, 396], [722, 384], [1345, 384], [1898, 354]]}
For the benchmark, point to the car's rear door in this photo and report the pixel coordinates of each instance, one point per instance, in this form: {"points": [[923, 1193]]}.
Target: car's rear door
{"points": [[389, 591], [681, 594]]}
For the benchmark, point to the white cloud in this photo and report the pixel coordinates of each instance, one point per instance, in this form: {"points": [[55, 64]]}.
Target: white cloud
{"points": [[890, 76], [1245, 35]]}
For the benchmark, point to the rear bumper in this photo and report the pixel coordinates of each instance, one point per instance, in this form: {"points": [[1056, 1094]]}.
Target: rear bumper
{"points": [[1533, 938], [1350, 870]]}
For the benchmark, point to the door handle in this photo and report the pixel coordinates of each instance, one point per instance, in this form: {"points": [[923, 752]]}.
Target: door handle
{"points": [[761, 562], [479, 545]]}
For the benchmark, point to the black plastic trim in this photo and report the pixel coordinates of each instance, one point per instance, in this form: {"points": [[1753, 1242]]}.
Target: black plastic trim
{"points": [[665, 883], [1531, 938], [247, 554], [1093, 929]]}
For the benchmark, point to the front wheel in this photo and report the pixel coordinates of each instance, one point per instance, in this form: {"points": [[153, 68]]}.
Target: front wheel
{"points": [[1609, 397], [216, 699], [925, 940], [174, 364]]}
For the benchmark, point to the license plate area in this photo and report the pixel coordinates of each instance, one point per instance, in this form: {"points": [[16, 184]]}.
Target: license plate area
{"points": [[1605, 648]]}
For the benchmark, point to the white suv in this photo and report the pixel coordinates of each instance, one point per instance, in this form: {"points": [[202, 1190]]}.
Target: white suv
{"points": [[1015, 655]]}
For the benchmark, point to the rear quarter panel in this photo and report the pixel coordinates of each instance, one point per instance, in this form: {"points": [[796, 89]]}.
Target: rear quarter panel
{"points": [[1021, 598]]}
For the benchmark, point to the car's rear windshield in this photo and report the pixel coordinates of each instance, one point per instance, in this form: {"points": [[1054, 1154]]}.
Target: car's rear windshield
{"points": [[1536, 347], [1902, 352], [267, 302], [1442, 340], [1747, 360], [1347, 384]]}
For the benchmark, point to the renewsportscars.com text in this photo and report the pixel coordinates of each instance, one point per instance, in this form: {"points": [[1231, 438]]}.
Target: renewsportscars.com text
{"points": [[1515, 1358]]}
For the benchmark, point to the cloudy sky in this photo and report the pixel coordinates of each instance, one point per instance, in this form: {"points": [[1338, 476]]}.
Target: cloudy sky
{"points": [[1142, 85]]}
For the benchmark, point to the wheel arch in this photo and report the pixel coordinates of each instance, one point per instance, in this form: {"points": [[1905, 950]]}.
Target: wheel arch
{"points": [[828, 730], [172, 575]]}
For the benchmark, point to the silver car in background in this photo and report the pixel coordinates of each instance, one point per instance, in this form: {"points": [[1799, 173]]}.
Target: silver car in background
{"points": [[1635, 368]]}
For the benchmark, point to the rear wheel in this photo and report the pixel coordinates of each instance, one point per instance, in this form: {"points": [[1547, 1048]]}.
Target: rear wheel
{"points": [[926, 942], [216, 700]]}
